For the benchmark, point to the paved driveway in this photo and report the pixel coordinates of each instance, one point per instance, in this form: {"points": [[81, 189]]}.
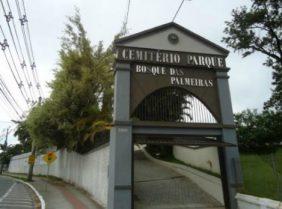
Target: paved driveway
{"points": [[15, 195], [157, 187]]}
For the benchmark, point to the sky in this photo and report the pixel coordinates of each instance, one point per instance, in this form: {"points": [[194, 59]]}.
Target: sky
{"points": [[250, 81]]}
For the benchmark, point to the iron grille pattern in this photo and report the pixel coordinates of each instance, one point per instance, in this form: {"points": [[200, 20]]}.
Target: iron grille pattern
{"points": [[173, 104]]}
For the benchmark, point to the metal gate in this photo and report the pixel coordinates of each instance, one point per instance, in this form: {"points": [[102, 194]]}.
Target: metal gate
{"points": [[158, 181]]}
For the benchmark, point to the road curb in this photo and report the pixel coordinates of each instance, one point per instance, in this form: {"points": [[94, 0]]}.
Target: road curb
{"points": [[42, 202]]}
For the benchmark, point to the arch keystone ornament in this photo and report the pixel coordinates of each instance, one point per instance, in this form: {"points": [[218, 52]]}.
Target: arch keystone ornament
{"points": [[171, 87]]}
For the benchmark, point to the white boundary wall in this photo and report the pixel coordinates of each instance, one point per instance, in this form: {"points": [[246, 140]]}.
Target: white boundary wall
{"points": [[252, 202], [206, 158], [89, 171]]}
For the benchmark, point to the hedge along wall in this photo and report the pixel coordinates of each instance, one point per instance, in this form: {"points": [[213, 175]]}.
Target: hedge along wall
{"points": [[88, 171]]}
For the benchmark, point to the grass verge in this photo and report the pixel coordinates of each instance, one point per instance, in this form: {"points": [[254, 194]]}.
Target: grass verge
{"points": [[259, 177]]}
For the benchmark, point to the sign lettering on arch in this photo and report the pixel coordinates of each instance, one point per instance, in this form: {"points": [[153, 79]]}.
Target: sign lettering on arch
{"points": [[155, 69], [170, 57], [168, 66], [147, 78], [177, 76]]}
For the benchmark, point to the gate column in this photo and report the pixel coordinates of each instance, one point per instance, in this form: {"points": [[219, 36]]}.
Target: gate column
{"points": [[120, 177], [230, 154]]}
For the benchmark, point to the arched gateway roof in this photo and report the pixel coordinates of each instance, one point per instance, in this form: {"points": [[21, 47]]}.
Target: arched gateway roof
{"points": [[188, 40]]}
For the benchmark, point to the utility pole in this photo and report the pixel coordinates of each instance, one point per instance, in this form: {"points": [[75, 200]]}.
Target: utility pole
{"points": [[31, 165], [178, 10], [33, 151]]}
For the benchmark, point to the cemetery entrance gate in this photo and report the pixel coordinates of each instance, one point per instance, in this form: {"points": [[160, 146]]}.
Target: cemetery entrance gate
{"points": [[171, 87]]}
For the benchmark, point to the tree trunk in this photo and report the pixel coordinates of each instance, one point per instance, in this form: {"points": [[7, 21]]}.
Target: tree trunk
{"points": [[1, 168], [30, 170]]}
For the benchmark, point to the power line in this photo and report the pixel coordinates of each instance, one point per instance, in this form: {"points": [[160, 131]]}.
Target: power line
{"points": [[4, 87], [30, 78], [9, 17], [6, 110], [10, 102], [28, 44], [23, 19], [28, 33], [19, 84], [178, 10], [124, 27], [14, 26], [127, 13], [18, 80], [5, 45]]}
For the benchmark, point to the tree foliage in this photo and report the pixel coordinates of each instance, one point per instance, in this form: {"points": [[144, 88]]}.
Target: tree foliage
{"points": [[9, 152], [23, 135], [80, 104], [258, 132], [259, 29]]}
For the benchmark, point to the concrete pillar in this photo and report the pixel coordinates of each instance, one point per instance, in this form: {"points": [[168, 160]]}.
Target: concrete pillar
{"points": [[120, 173], [231, 154]]}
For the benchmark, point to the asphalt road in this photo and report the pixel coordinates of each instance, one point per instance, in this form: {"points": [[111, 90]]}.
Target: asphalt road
{"points": [[15, 195]]}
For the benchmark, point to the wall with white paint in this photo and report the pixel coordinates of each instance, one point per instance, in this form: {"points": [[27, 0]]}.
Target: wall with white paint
{"points": [[253, 202], [88, 171], [206, 158]]}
